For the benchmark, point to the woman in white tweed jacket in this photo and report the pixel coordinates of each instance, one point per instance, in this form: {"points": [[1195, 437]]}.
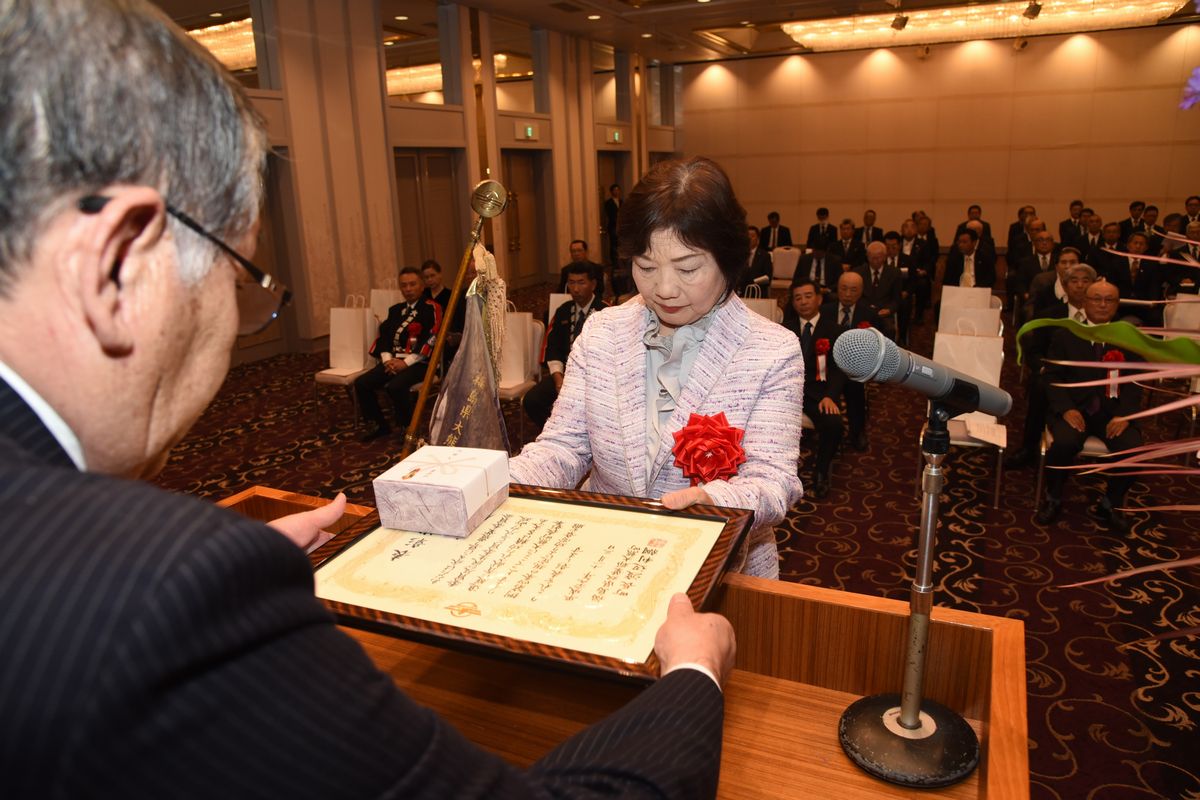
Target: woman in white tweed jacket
{"points": [[686, 345]]}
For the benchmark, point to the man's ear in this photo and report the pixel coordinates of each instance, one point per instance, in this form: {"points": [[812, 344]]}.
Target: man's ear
{"points": [[122, 228]]}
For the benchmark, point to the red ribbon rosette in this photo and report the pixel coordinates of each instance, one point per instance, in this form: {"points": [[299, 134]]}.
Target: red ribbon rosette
{"points": [[414, 330], [708, 448], [822, 349], [864, 324], [1113, 356]]}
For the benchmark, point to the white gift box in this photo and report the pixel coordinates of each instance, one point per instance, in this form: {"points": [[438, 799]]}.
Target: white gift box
{"points": [[446, 490]]}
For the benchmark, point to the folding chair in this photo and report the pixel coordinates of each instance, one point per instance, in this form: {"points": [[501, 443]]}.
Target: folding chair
{"points": [[783, 266], [351, 330], [1093, 447], [515, 383], [980, 357]]}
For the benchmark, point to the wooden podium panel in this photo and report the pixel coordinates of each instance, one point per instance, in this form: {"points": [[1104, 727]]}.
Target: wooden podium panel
{"points": [[804, 654]]}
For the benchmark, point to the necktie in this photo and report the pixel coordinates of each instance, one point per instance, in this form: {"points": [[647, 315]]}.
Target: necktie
{"points": [[866, 236], [1079, 317], [875, 278], [1134, 265], [806, 337], [576, 322], [845, 316], [774, 230]]}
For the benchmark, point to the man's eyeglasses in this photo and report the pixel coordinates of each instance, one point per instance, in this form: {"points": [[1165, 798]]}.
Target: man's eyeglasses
{"points": [[259, 300]]}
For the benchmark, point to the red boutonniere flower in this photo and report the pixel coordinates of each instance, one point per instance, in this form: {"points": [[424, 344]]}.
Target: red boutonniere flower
{"points": [[414, 329], [1114, 355], [708, 448], [864, 324], [822, 347]]}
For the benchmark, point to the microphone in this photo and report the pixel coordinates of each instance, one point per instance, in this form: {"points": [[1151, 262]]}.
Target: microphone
{"points": [[865, 354]]}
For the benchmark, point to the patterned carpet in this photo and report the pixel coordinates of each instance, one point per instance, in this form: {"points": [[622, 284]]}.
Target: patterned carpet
{"points": [[1112, 714]]}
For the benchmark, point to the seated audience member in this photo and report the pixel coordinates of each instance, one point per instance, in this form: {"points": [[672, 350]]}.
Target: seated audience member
{"points": [[1078, 412], [1140, 279], [775, 235], [882, 285], [822, 233], [758, 264], [1049, 289], [579, 255], [1018, 237], [1093, 237], [974, 214], [852, 311], [930, 247], [1108, 259], [1191, 210], [848, 250], [869, 231], [969, 264], [435, 290], [1023, 246], [1074, 280], [403, 348], [564, 329], [903, 263], [1041, 260], [1154, 232], [1185, 279], [1134, 222], [823, 381], [820, 267], [685, 345], [154, 644], [925, 251], [1072, 229]]}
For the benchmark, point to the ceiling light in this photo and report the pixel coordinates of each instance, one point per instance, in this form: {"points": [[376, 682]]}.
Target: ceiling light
{"points": [[593, 17], [899, 22], [401, 18], [999, 19], [703, 1], [647, 35], [1032, 10], [216, 15]]}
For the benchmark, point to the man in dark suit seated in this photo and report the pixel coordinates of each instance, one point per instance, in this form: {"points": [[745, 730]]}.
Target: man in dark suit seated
{"points": [[1134, 221], [822, 233], [819, 267], [868, 232], [852, 311], [968, 263], [1191, 209], [848, 250], [1073, 281], [927, 262], [1072, 229], [758, 264], [974, 214], [579, 255], [154, 644], [1079, 412], [1017, 234], [1155, 233], [823, 381], [1140, 279], [1107, 259], [1050, 289], [775, 235], [1041, 260], [564, 327], [1093, 236], [405, 342], [882, 285]]}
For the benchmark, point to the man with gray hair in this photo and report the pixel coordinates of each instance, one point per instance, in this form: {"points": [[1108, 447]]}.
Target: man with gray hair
{"points": [[155, 645]]}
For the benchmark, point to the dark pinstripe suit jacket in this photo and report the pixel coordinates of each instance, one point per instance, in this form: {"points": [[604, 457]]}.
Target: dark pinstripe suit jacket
{"points": [[154, 645]]}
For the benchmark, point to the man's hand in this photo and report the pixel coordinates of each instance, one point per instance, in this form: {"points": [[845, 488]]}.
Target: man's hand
{"points": [[682, 498], [1116, 426], [705, 639], [558, 379], [306, 527], [827, 406], [394, 366], [1075, 420]]}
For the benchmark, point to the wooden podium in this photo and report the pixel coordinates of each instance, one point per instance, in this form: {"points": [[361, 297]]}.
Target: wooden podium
{"points": [[804, 654]]}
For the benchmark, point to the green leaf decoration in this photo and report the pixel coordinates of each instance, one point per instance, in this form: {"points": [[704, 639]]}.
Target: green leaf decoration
{"points": [[1124, 335]]}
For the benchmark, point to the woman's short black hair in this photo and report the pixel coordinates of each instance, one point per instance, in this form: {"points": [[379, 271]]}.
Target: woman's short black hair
{"points": [[694, 199]]}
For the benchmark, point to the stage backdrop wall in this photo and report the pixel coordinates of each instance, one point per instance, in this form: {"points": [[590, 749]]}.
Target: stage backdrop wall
{"points": [[1094, 116]]}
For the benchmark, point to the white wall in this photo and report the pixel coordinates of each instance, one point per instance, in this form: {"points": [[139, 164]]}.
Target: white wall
{"points": [[1093, 116]]}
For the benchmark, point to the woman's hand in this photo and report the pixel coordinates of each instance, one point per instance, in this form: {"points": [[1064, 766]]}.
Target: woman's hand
{"points": [[682, 498]]}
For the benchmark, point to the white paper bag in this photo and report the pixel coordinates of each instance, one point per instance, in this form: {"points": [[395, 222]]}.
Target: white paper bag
{"points": [[969, 321], [967, 296], [515, 358], [382, 300], [352, 329], [977, 356]]}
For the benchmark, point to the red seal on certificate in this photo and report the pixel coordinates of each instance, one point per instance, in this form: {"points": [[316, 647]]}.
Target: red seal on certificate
{"points": [[708, 448], [1113, 356]]}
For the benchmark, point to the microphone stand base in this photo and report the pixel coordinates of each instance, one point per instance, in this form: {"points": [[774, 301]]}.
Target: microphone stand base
{"points": [[942, 751]]}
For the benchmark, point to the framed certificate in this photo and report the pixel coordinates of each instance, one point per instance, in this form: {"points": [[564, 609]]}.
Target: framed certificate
{"points": [[576, 578]]}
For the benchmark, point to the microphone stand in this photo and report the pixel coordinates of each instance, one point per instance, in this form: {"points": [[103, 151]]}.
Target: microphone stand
{"points": [[903, 738]]}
